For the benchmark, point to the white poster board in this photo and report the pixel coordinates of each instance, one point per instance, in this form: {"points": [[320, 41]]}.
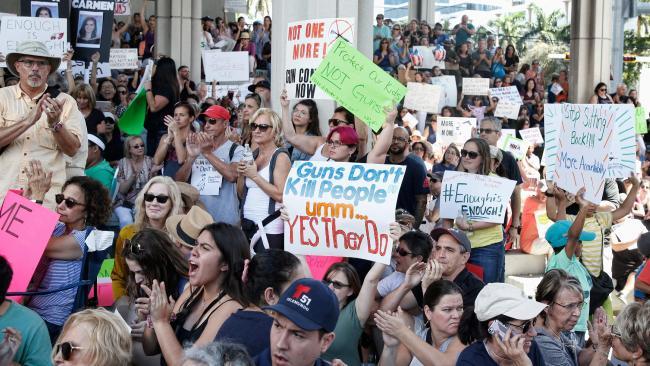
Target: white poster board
{"points": [[516, 147], [507, 93], [205, 177], [53, 32], [504, 135], [532, 135], [449, 94], [507, 110], [476, 86], [454, 130], [423, 97], [225, 66], [428, 59], [124, 58]]}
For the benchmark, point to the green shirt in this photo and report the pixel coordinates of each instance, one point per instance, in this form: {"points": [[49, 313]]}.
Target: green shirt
{"points": [[576, 269], [348, 331], [35, 346], [102, 172]]}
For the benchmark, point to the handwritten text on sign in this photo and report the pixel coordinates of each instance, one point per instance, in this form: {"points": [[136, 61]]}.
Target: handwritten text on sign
{"points": [[25, 229], [449, 90], [341, 209], [124, 58], [53, 32], [476, 86], [507, 93], [488, 204], [455, 130], [422, 97], [307, 44], [358, 84], [533, 135], [225, 66]]}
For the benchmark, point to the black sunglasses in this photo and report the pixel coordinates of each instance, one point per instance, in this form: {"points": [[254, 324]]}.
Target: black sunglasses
{"points": [[524, 327], [486, 130], [162, 199], [262, 128], [213, 120], [336, 284], [66, 349], [434, 180], [471, 154], [402, 252], [133, 246], [69, 202], [335, 122]]}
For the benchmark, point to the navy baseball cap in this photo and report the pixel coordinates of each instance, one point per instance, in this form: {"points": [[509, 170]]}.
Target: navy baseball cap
{"points": [[309, 304]]}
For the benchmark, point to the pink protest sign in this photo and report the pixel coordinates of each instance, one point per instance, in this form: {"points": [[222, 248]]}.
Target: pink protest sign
{"points": [[25, 229], [318, 265]]}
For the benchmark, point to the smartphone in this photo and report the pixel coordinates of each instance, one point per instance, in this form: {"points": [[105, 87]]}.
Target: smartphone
{"points": [[498, 328]]}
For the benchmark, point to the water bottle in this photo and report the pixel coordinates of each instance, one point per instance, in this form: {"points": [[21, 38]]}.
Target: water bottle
{"points": [[248, 155]]}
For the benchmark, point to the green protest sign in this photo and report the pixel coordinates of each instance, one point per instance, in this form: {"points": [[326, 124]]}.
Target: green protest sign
{"points": [[106, 268], [358, 84], [641, 125]]}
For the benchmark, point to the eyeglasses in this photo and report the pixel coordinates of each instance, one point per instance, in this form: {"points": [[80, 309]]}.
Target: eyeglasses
{"points": [[336, 284], [335, 144], [66, 349], [645, 187], [524, 327], [468, 154], [402, 252], [335, 122], [486, 130], [400, 139], [572, 306], [213, 121], [30, 63], [262, 128], [602, 89], [162, 199], [141, 146], [69, 202]]}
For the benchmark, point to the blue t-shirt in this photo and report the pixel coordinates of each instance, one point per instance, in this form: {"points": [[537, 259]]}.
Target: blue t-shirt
{"points": [[264, 359], [252, 329], [413, 183], [35, 346], [476, 354], [385, 62]]}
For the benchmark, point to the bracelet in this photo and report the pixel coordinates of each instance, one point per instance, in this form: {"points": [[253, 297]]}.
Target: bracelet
{"points": [[38, 202]]}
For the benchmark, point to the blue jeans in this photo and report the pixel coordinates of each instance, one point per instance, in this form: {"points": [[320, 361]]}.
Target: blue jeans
{"points": [[492, 259]]}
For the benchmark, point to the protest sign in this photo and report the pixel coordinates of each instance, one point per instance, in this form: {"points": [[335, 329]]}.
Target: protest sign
{"points": [[205, 178], [507, 93], [449, 90], [505, 132], [454, 130], [225, 66], [341, 209], [410, 121], [45, 8], [358, 84], [516, 147], [476, 86], [428, 60], [507, 110], [124, 58], [556, 88], [307, 43], [532, 135], [318, 265], [460, 197], [122, 7], [641, 123], [422, 97], [53, 32], [622, 149], [25, 229], [91, 29]]}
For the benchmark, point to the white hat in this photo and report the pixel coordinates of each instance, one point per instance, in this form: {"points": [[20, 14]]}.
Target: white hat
{"points": [[97, 141], [504, 299], [110, 115], [31, 48]]}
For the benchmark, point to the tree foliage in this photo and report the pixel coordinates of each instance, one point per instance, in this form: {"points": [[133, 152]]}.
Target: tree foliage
{"points": [[638, 45]]}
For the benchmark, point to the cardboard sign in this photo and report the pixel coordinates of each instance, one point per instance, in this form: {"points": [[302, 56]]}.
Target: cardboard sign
{"points": [[476, 86], [225, 66], [205, 177], [460, 197], [91, 29], [507, 93], [454, 130], [341, 209], [25, 229], [45, 8], [507, 110], [504, 135], [122, 7], [428, 59], [124, 58], [318, 265], [532, 135], [516, 147], [641, 124], [449, 91], [423, 97], [409, 120], [53, 32], [622, 151], [307, 43], [358, 84], [236, 6]]}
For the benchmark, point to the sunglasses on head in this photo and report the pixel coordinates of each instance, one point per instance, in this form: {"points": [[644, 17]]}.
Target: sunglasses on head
{"points": [[471, 154], [133, 246], [262, 128], [69, 202], [66, 349], [162, 199], [335, 122], [403, 252], [336, 284]]}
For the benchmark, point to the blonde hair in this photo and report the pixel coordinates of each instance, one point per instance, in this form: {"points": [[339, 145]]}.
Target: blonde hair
{"points": [[141, 221], [633, 323], [109, 340], [127, 145], [87, 91], [276, 124]]}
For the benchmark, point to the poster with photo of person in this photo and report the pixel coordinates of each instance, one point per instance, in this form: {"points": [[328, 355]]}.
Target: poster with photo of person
{"points": [[45, 8], [89, 32], [91, 25]]}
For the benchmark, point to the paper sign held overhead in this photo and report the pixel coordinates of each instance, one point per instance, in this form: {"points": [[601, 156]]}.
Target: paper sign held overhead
{"points": [[225, 66], [124, 58], [507, 110], [532, 135], [53, 32], [516, 147], [423, 97], [641, 122], [449, 90], [455, 130], [476, 86]]}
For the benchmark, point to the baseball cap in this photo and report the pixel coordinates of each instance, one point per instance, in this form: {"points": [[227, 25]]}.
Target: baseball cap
{"points": [[460, 237], [97, 141], [504, 299], [643, 243], [557, 234], [309, 304], [207, 19], [261, 83], [217, 112], [110, 115]]}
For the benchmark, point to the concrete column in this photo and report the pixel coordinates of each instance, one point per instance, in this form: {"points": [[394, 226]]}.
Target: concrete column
{"points": [[195, 56], [618, 21], [414, 9], [428, 11], [591, 47], [365, 23], [176, 32], [163, 28]]}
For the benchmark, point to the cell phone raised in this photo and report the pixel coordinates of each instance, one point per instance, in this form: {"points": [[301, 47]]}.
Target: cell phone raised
{"points": [[498, 328]]}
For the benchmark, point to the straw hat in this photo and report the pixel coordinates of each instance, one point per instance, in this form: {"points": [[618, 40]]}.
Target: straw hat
{"points": [[186, 228], [31, 48]]}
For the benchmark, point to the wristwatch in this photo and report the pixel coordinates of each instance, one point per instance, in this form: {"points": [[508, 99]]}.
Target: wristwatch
{"points": [[57, 127]]}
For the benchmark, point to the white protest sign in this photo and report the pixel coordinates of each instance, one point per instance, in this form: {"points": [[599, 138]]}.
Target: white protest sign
{"points": [[409, 120], [506, 93], [622, 151], [460, 196], [124, 58], [422, 97], [205, 177], [341, 209], [428, 59], [516, 147], [225, 66], [449, 90], [556, 88], [103, 71], [532, 135], [476, 86], [236, 6], [454, 130], [507, 110], [306, 46], [53, 32], [504, 135]]}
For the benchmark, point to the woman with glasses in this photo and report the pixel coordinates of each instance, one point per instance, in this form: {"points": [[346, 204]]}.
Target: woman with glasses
{"points": [[631, 334], [82, 205], [107, 92], [123, 94], [450, 160], [172, 152], [600, 95], [158, 199], [86, 102], [93, 337]]}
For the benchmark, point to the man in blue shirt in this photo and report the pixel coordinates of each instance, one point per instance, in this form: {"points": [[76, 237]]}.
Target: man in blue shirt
{"points": [[379, 31]]}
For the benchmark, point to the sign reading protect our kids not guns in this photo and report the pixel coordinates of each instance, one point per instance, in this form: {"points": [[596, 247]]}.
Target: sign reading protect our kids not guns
{"points": [[308, 42], [358, 84], [341, 209], [460, 197]]}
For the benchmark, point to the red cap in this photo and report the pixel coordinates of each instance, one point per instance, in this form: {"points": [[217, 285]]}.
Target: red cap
{"points": [[217, 112]]}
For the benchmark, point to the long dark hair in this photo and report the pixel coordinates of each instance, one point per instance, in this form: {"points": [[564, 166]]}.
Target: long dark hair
{"points": [[272, 268], [313, 125], [350, 273], [484, 152], [598, 86], [165, 77], [453, 147], [160, 260], [116, 98], [82, 30], [98, 204]]}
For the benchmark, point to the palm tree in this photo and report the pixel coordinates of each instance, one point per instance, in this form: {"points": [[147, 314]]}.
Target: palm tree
{"points": [[547, 29], [257, 7], [509, 29]]}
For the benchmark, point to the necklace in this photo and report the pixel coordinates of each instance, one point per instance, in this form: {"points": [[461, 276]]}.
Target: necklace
{"points": [[499, 360]]}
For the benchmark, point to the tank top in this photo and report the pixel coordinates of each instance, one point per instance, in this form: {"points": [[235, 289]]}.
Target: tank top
{"points": [[425, 334], [318, 155], [256, 206], [603, 100]]}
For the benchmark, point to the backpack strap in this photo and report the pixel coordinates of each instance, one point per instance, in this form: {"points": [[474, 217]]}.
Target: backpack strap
{"points": [[274, 158], [231, 153]]}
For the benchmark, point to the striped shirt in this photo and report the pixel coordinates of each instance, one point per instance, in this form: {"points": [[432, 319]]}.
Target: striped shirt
{"points": [[592, 251], [55, 308]]}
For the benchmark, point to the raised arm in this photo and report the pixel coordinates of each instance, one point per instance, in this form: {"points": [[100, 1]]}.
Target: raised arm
{"points": [[413, 277], [378, 153], [366, 298], [628, 204], [362, 130], [579, 222], [307, 144], [67, 58], [93, 71]]}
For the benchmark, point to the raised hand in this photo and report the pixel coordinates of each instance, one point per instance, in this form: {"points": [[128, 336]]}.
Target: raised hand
{"points": [[512, 347], [432, 273], [39, 181], [192, 145], [205, 142], [414, 274], [161, 305], [284, 99]]}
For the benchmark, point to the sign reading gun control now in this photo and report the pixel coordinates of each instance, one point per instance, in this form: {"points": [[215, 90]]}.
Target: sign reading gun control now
{"points": [[459, 196], [341, 209], [358, 84]]}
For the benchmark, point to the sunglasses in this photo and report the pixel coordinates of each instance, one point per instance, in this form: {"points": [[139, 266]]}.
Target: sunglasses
{"points": [[602, 89], [133, 246], [262, 128], [336, 284], [162, 199], [213, 121], [123, 92], [434, 180], [402, 252], [471, 154], [524, 327], [66, 349], [141, 146], [335, 122], [69, 202], [486, 130]]}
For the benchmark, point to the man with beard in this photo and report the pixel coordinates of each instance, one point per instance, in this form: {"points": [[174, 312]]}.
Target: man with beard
{"points": [[186, 86], [35, 123], [412, 195]]}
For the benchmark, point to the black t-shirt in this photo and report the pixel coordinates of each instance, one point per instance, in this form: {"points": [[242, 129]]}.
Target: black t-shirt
{"points": [[476, 354], [469, 284], [185, 94], [94, 118], [114, 148], [510, 167], [413, 184], [512, 60], [155, 120]]}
